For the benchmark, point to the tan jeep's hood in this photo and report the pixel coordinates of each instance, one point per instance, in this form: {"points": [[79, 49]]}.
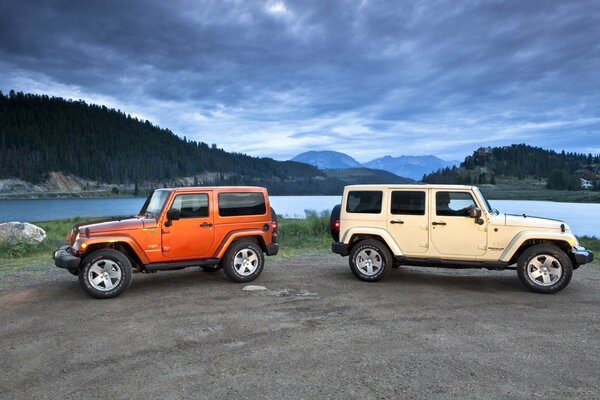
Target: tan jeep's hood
{"points": [[533, 222]]}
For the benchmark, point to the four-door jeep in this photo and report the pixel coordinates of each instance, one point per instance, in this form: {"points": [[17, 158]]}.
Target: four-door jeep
{"points": [[380, 226], [209, 227]]}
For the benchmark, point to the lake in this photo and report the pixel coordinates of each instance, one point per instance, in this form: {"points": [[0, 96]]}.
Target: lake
{"points": [[582, 217]]}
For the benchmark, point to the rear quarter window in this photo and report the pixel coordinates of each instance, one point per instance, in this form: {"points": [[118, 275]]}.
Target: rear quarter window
{"points": [[364, 202], [408, 203], [237, 204]]}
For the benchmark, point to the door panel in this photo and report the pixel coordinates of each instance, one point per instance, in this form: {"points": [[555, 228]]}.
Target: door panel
{"points": [[192, 235], [453, 232], [407, 220]]}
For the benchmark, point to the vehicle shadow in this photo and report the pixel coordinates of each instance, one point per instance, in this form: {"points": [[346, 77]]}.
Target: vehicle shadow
{"points": [[465, 279]]}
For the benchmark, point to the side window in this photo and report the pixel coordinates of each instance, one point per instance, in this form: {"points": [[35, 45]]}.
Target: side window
{"points": [[454, 204], [235, 204], [408, 203], [364, 202], [191, 205]]}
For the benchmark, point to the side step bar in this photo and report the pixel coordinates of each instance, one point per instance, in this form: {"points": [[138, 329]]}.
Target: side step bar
{"points": [[179, 265], [439, 262]]}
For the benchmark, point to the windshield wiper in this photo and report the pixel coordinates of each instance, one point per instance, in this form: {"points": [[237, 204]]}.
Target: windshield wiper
{"points": [[149, 214]]}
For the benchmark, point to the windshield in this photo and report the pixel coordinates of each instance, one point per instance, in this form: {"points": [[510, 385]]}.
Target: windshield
{"points": [[486, 202], [154, 203]]}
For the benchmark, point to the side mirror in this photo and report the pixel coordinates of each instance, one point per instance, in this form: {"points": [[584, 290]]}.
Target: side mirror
{"points": [[173, 215], [475, 212]]}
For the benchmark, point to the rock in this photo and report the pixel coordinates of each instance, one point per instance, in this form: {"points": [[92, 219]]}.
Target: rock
{"points": [[12, 233], [253, 288]]}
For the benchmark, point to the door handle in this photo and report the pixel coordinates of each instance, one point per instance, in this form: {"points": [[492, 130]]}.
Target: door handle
{"points": [[205, 225], [396, 222], [438, 223]]}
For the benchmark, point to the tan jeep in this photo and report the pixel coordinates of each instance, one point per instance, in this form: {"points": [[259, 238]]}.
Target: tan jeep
{"points": [[379, 226]]}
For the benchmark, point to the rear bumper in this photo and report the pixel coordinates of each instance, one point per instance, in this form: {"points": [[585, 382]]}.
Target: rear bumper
{"points": [[340, 248], [64, 258], [272, 249], [583, 256]]}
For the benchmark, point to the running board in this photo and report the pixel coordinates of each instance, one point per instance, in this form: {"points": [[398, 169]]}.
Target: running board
{"points": [[181, 264], [441, 263]]}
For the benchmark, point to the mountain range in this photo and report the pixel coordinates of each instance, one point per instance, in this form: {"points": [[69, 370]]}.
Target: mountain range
{"points": [[45, 140], [413, 167]]}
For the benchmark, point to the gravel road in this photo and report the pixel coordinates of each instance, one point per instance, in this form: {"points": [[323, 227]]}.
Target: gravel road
{"points": [[316, 333]]}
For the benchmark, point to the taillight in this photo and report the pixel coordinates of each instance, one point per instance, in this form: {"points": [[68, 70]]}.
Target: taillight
{"points": [[274, 225], [335, 229], [335, 226]]}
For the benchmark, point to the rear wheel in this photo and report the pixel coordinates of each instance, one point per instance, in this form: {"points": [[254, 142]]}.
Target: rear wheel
{"points": [[244, 261], [544, 269], [105, 274], [370, 260]]}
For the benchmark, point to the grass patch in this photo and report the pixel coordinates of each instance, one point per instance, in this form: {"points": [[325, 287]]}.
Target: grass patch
{"points": [[308, 235], [591, 243], [56, 231]]}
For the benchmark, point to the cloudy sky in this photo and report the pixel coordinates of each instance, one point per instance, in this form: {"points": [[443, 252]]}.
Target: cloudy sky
{"points": [[275, 78]]}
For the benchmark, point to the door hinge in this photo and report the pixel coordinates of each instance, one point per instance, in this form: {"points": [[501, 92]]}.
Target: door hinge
{"points": [[165, 249]]}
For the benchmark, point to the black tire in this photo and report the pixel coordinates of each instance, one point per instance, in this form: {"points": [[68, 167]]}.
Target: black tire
{"points": [[212, 268], [273, 215], [544, 255], [333, 218], [109, 260], [377, 252], [234, 258]]}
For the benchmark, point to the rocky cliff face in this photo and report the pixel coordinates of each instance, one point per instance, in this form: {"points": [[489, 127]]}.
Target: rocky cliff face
{"points": [[56, 183]]}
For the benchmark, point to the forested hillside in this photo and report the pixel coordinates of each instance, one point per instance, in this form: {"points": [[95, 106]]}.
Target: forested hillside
{"points": [[39, 134], [519, 161]]}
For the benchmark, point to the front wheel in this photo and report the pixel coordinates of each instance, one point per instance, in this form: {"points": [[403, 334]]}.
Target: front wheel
{"points": [[105, 274], [243, 262], [544, 269], [370, 260]]}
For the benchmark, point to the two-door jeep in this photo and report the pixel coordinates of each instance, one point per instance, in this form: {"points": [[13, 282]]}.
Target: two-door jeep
{"points": [[379, 226], [209, 227]]}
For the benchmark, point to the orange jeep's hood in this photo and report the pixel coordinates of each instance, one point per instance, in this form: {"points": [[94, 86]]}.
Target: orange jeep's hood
{"points": [[111, 225]]}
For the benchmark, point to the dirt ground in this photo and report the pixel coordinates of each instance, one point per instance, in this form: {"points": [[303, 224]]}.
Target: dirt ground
{"points": [[316, 333]]}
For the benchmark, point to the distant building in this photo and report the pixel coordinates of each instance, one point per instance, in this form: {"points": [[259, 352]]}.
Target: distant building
{"points": [[585, 174], [484, 151], [585, 184]]}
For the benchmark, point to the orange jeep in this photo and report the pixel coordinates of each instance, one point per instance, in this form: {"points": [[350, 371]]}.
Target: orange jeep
{"points": [[209, 227]]}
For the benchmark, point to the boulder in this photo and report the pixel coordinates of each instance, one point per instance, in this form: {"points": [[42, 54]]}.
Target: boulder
{"points": [[12, 233]]}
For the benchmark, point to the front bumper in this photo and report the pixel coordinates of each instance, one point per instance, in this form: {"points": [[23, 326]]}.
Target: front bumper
{"points": [[272, 249], [64, 258], [583, 256], [340, 248]]}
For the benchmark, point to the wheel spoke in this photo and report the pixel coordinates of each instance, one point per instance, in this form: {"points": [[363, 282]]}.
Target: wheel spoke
{"points": [[253, 258], [555, 270], [535, 274], [97, 280], [536, 263], [546, 279], [370, 269], [108, 283], [96, 269]]}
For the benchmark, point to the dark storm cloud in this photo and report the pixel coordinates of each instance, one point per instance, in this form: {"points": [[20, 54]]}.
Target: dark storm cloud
{"points": [[279, 77]]}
